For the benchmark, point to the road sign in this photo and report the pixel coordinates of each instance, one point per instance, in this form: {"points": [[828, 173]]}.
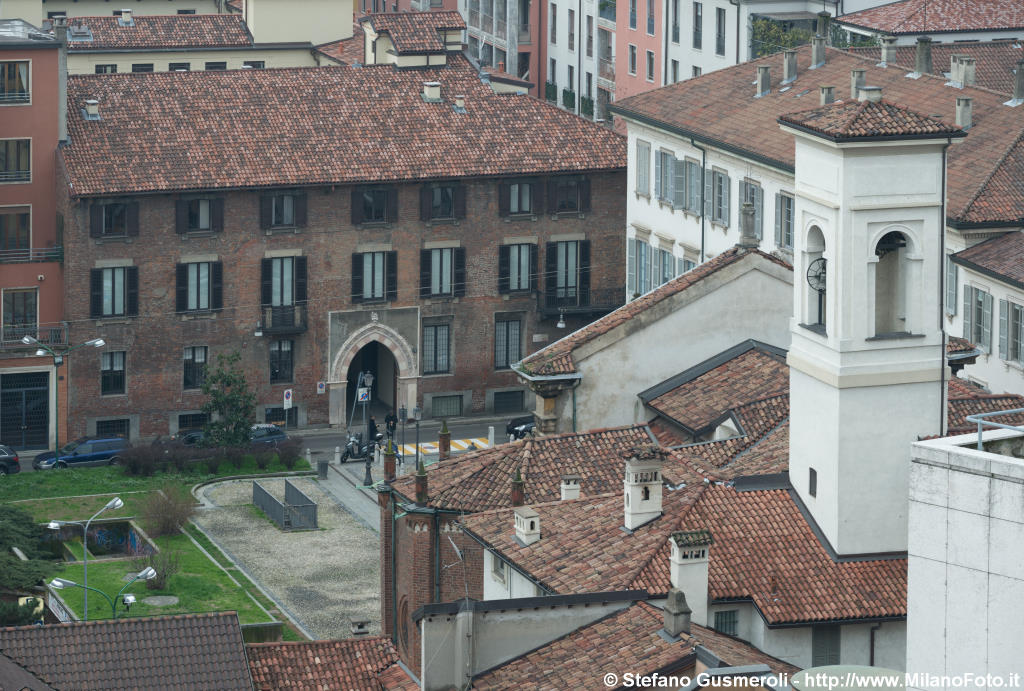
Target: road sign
{"points": [[287, 399], [321, 387], [364, 394]]}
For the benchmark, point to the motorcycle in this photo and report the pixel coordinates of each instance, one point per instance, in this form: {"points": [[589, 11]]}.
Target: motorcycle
{"points": [[520, 427], [357, 451]]}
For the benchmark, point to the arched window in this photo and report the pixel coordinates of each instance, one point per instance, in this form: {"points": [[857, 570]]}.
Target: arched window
{"points": [[891, 285], [815, 279]]}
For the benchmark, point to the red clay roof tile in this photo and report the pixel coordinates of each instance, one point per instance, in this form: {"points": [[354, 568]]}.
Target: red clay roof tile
{"points": [[994, 64], [846, 120], [415, 32], [1001, 256], [355, 664], [163, 31], [937, 16]]}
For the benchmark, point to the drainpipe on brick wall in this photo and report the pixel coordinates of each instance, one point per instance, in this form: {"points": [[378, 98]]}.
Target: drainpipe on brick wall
{"points": [[579, 56], [703, 189], [394, 588], [437, 559]]}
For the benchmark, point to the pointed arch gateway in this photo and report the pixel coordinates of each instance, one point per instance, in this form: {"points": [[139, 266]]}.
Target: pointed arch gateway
{"points": [[405, 362]]}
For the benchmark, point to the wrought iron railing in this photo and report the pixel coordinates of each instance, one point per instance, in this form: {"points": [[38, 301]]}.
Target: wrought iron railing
{"points": [[32, 254], [47, 334], [580, 300], [282, 319]]}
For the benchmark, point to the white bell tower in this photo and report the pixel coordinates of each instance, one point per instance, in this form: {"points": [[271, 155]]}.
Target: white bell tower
{"points": [[866, 359]]}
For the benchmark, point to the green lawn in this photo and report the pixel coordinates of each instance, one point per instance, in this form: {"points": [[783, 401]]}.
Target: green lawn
{"points": [[81, 508]]}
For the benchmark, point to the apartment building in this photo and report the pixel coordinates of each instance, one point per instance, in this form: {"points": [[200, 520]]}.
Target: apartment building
{"points": [[31, 237]]}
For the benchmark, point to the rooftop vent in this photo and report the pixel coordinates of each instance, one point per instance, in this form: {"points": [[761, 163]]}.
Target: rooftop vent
{"points": [[789, 67], [570, 487], [79, 32], [91, 110], [963, 112], [359, 627], [856, 82], [527, 525], [764, 81], [126, 18], [817, 52], [828, 95], [888, 50], [460, 104], [870, 93], [432, 92]]}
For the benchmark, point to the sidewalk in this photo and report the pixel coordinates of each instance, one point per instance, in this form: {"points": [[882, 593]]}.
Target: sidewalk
{"points": [[361, 503], [499, 423]]}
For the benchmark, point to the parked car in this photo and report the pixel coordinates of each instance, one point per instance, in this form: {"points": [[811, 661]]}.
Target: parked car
{"points": [[9, 462], [519, 427], [87, 451], [259, 434]]}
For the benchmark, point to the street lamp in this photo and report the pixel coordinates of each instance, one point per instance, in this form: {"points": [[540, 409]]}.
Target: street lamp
{"points": [[417, 413], [147, 574], [403, 413], [58, 360], [366, 380], [115, 504]]}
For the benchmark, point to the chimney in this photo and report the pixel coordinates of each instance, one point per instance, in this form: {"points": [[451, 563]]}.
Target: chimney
{"points": [[460, 104], [822, 27], [1018, 86], [92, 109], [432, 92], [677, 613], [856, 82], [817, 52], [967, 71], [954, 67], [570, 487], [789, 67], [421, 485], [642, 485], [923, 57], [688, 569], [748, 238], [527, 525], [764, 80], [828, 95], [870, 93], [963, 112], [60, 32], [518, 489], [126, 18], [888, 50]]}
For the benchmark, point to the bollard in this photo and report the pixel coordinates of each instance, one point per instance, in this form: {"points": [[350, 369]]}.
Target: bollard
{"points": [[309, 457], [321, 468], [490, 436], [337, 454]]}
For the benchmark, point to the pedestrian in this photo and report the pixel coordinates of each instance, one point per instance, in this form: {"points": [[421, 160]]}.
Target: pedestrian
{"points": [[372, 429], [390, 423]]}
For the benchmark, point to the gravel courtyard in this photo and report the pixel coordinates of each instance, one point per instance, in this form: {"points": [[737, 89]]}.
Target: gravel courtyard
{"points": [[325, 577]]}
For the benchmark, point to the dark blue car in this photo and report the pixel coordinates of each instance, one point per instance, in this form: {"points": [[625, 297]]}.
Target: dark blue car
{"points": [[87, 451]]}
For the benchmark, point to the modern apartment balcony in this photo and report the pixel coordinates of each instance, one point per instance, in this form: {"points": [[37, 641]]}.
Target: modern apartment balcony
{"points": [[606, 10], [524, 34], [33, 254], [486, 23], [581, 301], [606, 69], [284, 319], [474, 19], [52, 335]]}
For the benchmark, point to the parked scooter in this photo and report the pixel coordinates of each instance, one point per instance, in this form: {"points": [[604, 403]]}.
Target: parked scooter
{"points": [[356, 451]]}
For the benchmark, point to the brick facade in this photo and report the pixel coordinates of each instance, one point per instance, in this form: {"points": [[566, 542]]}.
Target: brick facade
{"points": [[155, 339]]}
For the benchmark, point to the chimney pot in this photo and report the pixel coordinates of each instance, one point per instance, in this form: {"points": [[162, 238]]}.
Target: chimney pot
{"points": [[764, 80], [888, 44], [870, 93], [822, 27], [421, 485], [856, 82], [518, 490], [92, 108], [126, 18], [432, 92], [828, 95], [923, 56], [527, 523], [748, 239], [677, 613], [570, 487], [789, 67], [817, 51], [642, 486], [963, 112]]}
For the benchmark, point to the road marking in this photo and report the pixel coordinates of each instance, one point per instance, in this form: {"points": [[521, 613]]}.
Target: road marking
{"points": [[430, 448]]}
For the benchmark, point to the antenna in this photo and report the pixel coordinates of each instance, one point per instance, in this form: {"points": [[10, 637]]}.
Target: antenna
{"points": [[455, 547]]}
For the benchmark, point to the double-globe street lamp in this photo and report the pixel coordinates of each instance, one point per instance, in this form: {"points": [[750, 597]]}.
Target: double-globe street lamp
{"points": [[146, 574], [114, 504], [58, 360]]}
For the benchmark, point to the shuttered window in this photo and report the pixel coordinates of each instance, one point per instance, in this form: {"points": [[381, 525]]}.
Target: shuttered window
{"points": [[114, 292], [643, 168], [952, 274], [978, 317], [784, 221], [825, 645]]}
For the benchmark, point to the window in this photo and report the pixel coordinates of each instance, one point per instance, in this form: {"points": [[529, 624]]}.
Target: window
{"points": [[553, 74], [696, 71], [114, 292], [688, 189], [632, 59], [142, 67], [720, 31], [283, 210], [978, 317], [517, 268], [20, 318], [442, 202], [374, 276], [436, 349], [216, 66], [106, 69], [199, 287], [812, 482], [572, 32], [15, 160], [254, 64], [115, 219], [664, 176], [277, 415], [507, 343], [698, 20], [57, 13], [178, 67], [719, 197], [281, 362], [590, 36], [374, 205], [572, 78], [113, 428], [1011, 331], [824, 645], [15, 233], [952, 274], [650, 65], [194, 372], [446, 406], [726, 622], [784, 221], [675, 21], [590, 90], [632, 14], [189, 421], [675, 71], [567, 273], [186, 11], [639, 261], [283, 281], [518, 198], [443, 272], [568, 195], [112, 373], [199, 215], [498, 567], [666, 267], [751, 192], [650, 17], [554, 24], [14, 86]]}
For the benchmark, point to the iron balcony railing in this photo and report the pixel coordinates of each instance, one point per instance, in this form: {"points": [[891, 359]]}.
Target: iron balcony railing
{"points": [[524, 33], [15, 175], [580, 301], [33, 254], [284, 319], [9, 97], [47, 334]]}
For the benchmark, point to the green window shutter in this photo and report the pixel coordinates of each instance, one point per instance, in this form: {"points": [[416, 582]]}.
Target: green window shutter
{"points": [[725, 199], [759, 212], [778, 220], [709, 193], [968, 291], [679, 182], [630, 268], [1004, 330], [986, 322], [657, 175]]}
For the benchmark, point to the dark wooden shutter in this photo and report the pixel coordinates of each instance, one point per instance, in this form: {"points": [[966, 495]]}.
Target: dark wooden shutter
{"points": [[357, 278], [584, 272], [460, 201], [132, 211], [424, 273], [391, 275], [584, 188], [216, 285], [392, 197], [426, 202], [299, 202], [266, 280], [96, 221], [96, 293], [533, 267], [266, 211], [536, 197], [300, 280], [460, 271], [131, 290], [181, 287], [217, 214], [504, 199], [504, 269], [550, 272], [181, 216], [357, 206], [553, 196]]}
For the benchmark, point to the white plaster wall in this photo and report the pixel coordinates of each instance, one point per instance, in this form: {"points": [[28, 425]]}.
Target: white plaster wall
{"points": [[85, 63], [514, 585], [577, 57], [317, 21]]}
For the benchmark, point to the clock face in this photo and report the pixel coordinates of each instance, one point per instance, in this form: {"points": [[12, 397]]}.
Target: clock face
{"points": [[816, 274]]}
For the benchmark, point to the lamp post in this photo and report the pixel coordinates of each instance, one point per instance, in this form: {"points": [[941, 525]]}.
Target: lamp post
{"points": [[115, 504], [147, 574], [417, 413], [366, 380], [58, 360], [403, 412]]}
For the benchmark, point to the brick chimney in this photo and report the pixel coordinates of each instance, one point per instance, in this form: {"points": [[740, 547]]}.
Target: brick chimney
{"points": [[856, 82], [789, 67], [570, 487], [421, 485], [817, 52], [642, 485], [748, 238], [527, 525], [677, 613], [389, 462], [923, 56], [870, 93], [764, 80], [828, 95], [518, 489], [964, 114], [888, 50], [688, 569]]}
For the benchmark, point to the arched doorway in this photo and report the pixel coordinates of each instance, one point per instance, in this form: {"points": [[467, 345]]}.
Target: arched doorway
{"points": [[376, 359], [383, 352]]}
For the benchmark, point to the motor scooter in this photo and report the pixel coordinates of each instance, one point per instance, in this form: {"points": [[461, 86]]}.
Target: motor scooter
{"points": [[357, 451]]}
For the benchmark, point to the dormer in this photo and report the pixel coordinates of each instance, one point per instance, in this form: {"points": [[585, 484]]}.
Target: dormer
{"points": [[411, 39]]}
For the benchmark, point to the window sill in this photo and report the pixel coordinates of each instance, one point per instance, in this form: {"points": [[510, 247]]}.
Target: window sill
{"points": [[275, 382], [121, 394], [514, 218], [198, 314], [282, 230], [816, 328], [371, 302], [196, 390], [199, 234], [567, 214], [720, 226], [641, 195], [517, 295], [108, 239], [436, 375], [443, 222], [894, 336], [375, 224], [439, 299], [110, 321]]}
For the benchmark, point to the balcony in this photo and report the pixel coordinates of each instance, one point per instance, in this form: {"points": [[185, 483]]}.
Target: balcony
{"points": [[283, 319], [500, 28], [474, 19], [52, 335], [524, 33], [487, 23], [606, 10], [586, 107], [551, 92], [606, 69], [24, 256], [569, 99], [581, 302]]}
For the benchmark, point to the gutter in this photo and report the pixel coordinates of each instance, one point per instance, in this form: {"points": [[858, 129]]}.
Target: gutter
{"points": [[548, 377]]}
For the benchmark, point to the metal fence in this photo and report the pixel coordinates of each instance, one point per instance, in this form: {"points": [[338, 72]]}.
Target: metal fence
{"points": [[297, 512]]}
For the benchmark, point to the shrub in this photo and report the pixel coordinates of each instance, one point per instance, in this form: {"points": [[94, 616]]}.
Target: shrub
{"points": [[289, 452], [213, 462], [235, 455], [142, 460], [263, 455], [166, 564], [167, 511]]}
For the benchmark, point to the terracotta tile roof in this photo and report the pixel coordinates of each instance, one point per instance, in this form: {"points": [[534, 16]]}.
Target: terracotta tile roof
{"points": [[1000, 195], [849, 120], [307, 126], [956, 345], [347, 51], [937, 16], [501, 75], [164, 31], [719, 108], [479, 480], [355, 664], [967, 398], [557, 358], [736, 653], [415, 32], [1000, 257], [994, 63], [191, 651]]}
